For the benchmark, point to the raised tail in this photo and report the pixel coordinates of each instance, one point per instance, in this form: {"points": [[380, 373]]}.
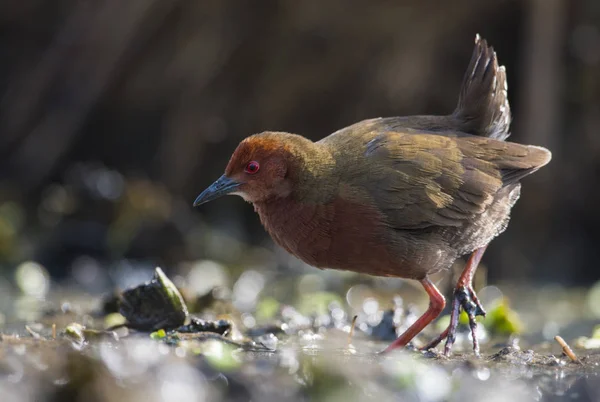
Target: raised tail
{"points": [[483, 107]]}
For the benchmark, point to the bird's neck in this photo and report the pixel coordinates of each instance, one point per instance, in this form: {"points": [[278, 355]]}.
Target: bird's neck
{"points": [[310, 173]]}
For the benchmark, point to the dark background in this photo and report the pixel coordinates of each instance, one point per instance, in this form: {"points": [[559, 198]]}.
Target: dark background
{"points": [[115, 114]]}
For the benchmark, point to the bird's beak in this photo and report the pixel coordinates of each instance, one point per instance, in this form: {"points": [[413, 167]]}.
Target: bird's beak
{"points": [[224, 185]]}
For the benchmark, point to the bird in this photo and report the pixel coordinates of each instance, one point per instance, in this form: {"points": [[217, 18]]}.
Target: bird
{"points": [[395, 196]]}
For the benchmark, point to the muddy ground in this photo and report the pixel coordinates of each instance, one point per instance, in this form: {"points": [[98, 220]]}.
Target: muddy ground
{"points": [[73, 346]]}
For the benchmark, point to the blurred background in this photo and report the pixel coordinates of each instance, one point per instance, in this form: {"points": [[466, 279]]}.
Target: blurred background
{"points": [[114, 115]]}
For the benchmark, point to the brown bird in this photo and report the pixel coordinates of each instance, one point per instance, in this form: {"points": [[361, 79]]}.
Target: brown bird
{"points": [[399, 196]]}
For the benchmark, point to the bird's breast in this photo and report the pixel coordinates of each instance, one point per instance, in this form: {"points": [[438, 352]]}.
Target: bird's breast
{"points": [[304, 230], [339, 234]]}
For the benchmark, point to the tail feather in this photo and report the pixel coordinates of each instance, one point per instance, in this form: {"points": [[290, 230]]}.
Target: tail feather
{"points": [[483, 106]]}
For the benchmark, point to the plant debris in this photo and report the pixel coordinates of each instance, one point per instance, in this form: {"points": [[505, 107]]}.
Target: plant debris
{"points": [[566, 349], [154, 305]]}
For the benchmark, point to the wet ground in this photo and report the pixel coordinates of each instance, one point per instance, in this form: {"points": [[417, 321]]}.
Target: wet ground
{"points": [[74, 347], [306, 367]]}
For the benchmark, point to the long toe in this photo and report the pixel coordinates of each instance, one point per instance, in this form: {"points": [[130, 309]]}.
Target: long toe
{"points": [[451, 331], [473, 326], [436, 341], [471, 305]]}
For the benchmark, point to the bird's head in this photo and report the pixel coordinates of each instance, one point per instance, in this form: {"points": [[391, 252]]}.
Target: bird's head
{"points": [[258, 169]]}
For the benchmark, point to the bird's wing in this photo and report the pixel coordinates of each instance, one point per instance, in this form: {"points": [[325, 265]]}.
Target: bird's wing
{"points": [[424, 180]]}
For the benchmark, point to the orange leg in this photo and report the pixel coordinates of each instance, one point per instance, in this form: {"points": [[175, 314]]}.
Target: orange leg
{"points": [[436, 305], [465, 297]]}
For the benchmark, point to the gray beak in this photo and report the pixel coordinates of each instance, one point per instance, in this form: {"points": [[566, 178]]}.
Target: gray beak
{"points": [[223, 186]]}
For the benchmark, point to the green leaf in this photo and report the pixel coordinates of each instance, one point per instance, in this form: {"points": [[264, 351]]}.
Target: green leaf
{"points": [[158, 335], [503, 320]]}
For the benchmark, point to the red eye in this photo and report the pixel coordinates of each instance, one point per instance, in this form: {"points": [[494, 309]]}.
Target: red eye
{"points": [[252, 167]]}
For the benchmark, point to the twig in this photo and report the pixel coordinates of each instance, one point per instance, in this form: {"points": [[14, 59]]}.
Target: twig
{"points": [[352, 326], [567, 349], [53, 330]]}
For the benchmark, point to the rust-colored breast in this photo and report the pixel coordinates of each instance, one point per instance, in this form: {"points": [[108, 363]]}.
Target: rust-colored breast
{"points": [[340, 234]]}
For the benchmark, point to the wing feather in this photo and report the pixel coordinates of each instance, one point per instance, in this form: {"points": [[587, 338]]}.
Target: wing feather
{"points": [[430, 179]]}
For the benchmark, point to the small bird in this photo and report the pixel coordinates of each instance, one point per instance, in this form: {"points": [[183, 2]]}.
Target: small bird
{"points": [[394, 197]]}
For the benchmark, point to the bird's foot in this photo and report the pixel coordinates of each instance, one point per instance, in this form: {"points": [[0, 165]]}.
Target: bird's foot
{"points": [[465, 297], [469, 301], [474, 305]]}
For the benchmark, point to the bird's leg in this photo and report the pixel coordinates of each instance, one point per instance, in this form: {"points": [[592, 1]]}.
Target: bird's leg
{"points": [[465, 282], [436, 305], [465, 297], [464, 293], [449, 332]]}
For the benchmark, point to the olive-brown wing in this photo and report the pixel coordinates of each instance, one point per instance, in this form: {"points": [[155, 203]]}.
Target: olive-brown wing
{"points": [[424, 180]]}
